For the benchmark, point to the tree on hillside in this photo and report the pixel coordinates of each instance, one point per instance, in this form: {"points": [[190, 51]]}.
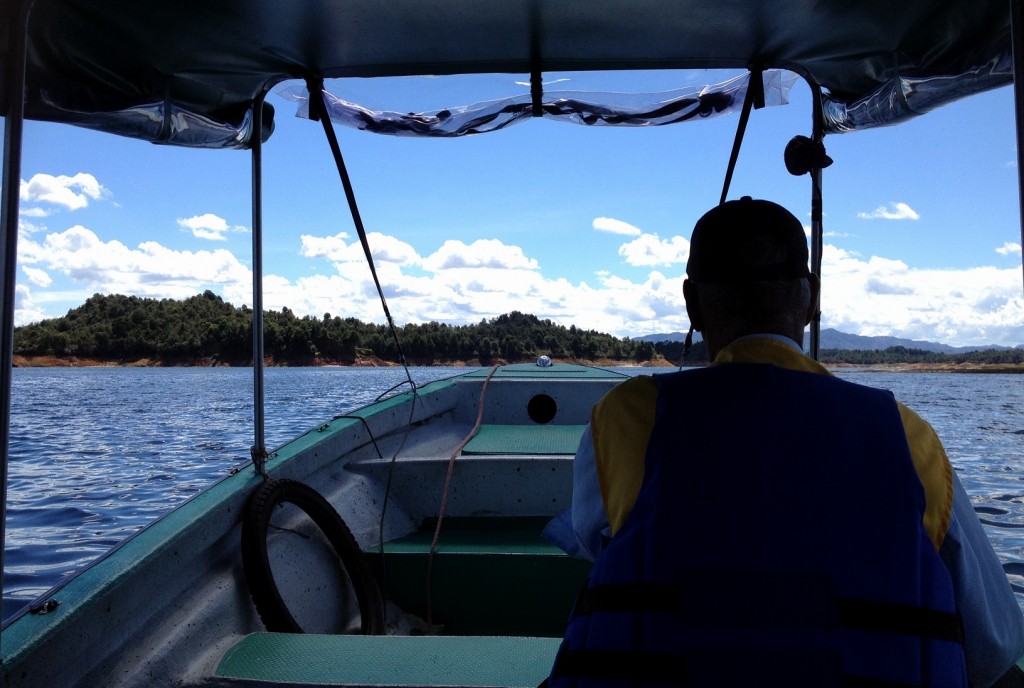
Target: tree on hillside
{"points": [[116, 327]]}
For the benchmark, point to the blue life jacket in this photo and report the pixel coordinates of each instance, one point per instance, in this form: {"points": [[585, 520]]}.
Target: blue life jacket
{"points": [[776, 540]]}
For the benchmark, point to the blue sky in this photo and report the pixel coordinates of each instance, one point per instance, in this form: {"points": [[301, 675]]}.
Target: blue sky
{"points": [[581, 225]]}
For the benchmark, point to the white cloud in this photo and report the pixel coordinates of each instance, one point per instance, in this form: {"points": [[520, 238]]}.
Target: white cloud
{"points": [[468, 282], [649, 250], [383, 248], [209, 226], [72, 193], [482, 253], [463, 283], [111, 267], [862, 296], [894, 211], [1010, 248], [613, 226], [332, 247], [25, 311], [37, 277], [974, 306], [34, 212], [26, 229]]}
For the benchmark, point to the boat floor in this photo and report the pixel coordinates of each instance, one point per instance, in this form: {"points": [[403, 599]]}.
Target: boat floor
{"points": [[263, 659], [500, 596]]}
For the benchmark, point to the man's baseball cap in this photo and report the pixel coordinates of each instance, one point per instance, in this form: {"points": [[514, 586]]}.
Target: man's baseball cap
{"points": [[747, 241]]}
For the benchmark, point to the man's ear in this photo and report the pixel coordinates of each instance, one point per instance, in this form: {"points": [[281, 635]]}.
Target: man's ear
{"points": [[692, 297], [812, 307]]}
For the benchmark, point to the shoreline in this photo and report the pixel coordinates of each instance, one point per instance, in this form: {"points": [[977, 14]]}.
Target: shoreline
{"points": [[981, 368], [20, 361]]}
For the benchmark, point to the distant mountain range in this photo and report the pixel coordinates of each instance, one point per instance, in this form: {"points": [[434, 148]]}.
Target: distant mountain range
{"points": [[834, 339]]}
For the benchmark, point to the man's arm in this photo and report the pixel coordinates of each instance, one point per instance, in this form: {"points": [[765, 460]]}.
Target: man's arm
{"points": [[993, 624], [589, 520], [992, 619], [608, 468], [581, 530]]}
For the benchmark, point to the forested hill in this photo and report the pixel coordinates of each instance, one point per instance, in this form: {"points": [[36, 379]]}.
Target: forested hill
{"points": [[206, 329]]}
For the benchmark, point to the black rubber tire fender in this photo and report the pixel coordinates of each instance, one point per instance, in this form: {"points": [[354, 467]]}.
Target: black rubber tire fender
{"points": [[270, 606]]}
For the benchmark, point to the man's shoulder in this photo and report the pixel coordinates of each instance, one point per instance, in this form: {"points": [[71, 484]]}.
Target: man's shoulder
{"points": [[641, 387], [635, 395]]}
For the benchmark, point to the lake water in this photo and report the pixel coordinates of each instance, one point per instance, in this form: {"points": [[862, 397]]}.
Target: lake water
{"points": [[96, 453]]}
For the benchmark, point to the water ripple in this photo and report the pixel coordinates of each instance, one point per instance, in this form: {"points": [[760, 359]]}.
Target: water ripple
{"points": [[139, 442]]}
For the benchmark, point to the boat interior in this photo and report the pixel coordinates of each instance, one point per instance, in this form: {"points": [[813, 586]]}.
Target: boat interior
{"points": [[443, 489], [446, 490]]}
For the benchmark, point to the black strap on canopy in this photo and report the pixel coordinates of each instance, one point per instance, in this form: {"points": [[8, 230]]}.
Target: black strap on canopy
{"points": [[755, 99], [318, 111]]}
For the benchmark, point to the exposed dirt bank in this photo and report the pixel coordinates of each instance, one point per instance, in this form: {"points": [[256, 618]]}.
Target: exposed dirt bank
{"points": [[367, 361]]}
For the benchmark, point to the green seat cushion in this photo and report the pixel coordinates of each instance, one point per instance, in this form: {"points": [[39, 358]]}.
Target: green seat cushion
{"points": [[356, 660], [525, 439]]}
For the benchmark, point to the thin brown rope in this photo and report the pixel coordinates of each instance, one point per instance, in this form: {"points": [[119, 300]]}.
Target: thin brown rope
{"points": [[444, 496]]}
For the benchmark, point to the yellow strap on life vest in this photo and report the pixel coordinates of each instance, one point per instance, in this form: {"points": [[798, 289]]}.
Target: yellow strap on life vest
{"points": [[620, 425], [935, 472]]}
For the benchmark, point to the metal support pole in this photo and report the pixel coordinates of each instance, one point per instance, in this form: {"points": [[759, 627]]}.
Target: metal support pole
{"points": [[13, 128], [259, 448], [817, 213], [1017, 31]]}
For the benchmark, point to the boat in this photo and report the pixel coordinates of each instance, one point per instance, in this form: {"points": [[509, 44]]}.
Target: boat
{"points": [[401, 544], [241, 583]]}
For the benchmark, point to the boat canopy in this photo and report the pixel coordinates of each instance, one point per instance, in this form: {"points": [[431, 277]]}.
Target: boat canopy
{"points": [[591, 109], [189, 73]]}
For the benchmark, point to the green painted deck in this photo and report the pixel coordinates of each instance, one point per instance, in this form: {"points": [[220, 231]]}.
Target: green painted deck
{"points": [[491, 576], [567, 371], [354, 660], [525, 439]]}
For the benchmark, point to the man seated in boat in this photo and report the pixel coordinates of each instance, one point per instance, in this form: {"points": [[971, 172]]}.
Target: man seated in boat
{"points": [[771, 523]]}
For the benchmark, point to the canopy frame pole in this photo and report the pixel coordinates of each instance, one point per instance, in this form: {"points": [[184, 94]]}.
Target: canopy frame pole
{"points": [[14, 125], [817, 215], [259, 449], [1017, 42]]}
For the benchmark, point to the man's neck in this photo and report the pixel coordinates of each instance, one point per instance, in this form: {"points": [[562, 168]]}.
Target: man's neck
{"points": [[777, 337]]}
